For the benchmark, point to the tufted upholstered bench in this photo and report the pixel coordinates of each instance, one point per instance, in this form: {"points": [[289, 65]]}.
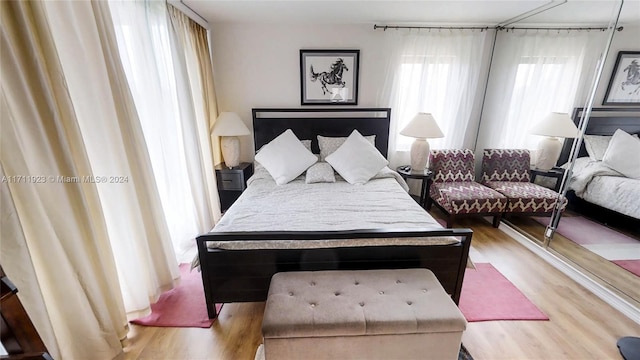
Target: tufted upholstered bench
{"points": [[360, 314]]}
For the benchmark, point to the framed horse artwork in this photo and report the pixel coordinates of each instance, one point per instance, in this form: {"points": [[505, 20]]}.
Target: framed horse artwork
{"points": [[624, 86], [329, 77]]}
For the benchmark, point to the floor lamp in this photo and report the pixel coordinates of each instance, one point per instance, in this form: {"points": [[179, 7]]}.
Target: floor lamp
{"points": [[422, 127], [229, 126]]}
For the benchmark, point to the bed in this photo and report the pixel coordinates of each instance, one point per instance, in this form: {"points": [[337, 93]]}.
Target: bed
{"points": [[595, 189], [274, 228]]}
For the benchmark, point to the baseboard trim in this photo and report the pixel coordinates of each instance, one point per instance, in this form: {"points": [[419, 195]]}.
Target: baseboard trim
{"points": [[618, 303]]}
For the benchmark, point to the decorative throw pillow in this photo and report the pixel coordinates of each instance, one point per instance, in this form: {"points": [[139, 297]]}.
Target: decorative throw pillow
{"points": [[622, 154], [307, 144], [328, 145], [320, 172], [357, 160], [596, 145], [285, 158]]}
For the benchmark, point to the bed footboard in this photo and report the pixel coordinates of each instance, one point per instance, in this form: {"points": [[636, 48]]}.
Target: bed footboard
{"points": [[242, 275]]}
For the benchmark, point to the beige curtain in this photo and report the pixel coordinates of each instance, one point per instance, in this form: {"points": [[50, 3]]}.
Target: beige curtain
{"points": [[199, 43], [192, 39], [85, 224], [63, 232]]}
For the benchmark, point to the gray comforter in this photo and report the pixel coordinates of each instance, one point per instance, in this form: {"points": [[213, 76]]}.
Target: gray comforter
{"points": [[382, 202]]}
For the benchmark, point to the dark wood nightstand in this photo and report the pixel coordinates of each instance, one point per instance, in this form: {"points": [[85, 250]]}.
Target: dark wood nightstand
{"points": [[556, 173], [425, 175], [232, 182]]}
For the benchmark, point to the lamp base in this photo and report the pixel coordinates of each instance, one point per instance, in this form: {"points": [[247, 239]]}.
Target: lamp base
{"points": [[549, 149], [419, 154], [230, 146]]}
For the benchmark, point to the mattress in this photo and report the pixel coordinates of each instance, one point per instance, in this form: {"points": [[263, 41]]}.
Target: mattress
{"points": [[594, 182], [381, 203]]}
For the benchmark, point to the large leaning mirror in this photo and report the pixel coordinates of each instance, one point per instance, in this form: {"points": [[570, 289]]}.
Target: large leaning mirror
{"points": [[588, 82]]}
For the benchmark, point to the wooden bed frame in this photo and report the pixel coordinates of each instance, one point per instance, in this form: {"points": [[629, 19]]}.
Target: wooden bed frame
{"points": [[245, 275], [603, 121]]}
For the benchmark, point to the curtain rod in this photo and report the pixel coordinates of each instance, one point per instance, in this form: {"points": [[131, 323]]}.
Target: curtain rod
{"points": [[619, 28], [385, 27]]}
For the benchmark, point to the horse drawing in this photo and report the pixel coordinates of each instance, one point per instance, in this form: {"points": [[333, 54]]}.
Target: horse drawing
{"points": [[333, 77], [633, 77]]}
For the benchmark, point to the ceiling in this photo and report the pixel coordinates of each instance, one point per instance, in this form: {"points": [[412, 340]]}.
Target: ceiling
{"points": [[426, 12]]}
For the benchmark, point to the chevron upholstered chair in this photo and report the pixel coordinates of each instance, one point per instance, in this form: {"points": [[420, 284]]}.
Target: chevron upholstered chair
{"points": [[507, 172], [454, 190]]}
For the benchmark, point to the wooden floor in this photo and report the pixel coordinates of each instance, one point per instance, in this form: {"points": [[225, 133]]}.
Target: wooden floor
{"points": [[581, 326], [608, 274]]}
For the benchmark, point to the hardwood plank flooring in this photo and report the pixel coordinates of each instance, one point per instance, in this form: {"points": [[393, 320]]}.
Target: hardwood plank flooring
{"points": [[601, 270], [581, 325]]}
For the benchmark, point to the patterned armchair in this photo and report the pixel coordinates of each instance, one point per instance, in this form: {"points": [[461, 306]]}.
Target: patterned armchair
{"points": [[507, 171], [456, 193]]}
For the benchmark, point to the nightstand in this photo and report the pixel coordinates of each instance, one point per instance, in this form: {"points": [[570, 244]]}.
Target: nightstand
{"points": [[232, 182], [556, 173], [425, 176]]}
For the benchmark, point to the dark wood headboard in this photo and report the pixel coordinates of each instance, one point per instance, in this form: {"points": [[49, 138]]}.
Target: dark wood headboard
{"points": [[603, 121], [308, 123]]}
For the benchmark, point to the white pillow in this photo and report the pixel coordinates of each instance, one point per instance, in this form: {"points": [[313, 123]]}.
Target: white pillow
{"points": [[622, 154], [328, 145], [356, 160], [285, 158], [320, 172], [596, 145]]}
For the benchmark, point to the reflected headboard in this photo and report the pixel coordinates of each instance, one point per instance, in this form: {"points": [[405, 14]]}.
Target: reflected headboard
{"points": [[603, 121], [308, 123]]}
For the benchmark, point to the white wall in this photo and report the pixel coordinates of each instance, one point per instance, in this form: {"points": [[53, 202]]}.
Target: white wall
{"points": [[258, 65]]}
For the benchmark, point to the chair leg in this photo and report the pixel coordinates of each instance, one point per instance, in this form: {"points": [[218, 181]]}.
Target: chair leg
{"points": [[496, 220], [450, 221], [428, 203]]}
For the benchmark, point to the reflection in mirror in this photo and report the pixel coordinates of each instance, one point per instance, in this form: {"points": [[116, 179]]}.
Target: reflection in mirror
{"points": [[597, 232]]}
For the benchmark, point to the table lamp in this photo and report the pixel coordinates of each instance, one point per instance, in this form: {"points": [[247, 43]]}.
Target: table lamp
{"points": [[555, 125], [421, 127], [229, 126]]}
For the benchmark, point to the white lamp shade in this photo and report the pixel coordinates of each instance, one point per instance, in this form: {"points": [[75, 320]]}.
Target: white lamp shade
{"points": [[230, 124], [422, 126], [557, 125]]}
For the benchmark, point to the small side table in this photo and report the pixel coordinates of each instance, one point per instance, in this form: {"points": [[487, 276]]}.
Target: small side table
{"points": [[555, 172], [425, 175], [232, 182]]}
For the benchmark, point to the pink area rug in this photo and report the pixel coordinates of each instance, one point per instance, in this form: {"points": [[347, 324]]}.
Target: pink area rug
{"points": [[632, 266], [487, 295], [583, 231], [182, 306]]}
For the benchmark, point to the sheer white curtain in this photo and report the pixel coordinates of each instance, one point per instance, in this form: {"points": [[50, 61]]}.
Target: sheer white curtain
{"points": [[534, 73], [117, 151], [434, 71], [172, 117]]}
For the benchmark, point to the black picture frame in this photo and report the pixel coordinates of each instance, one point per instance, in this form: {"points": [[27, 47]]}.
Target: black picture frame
{"points": [[624, 85], [329, 77]]}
